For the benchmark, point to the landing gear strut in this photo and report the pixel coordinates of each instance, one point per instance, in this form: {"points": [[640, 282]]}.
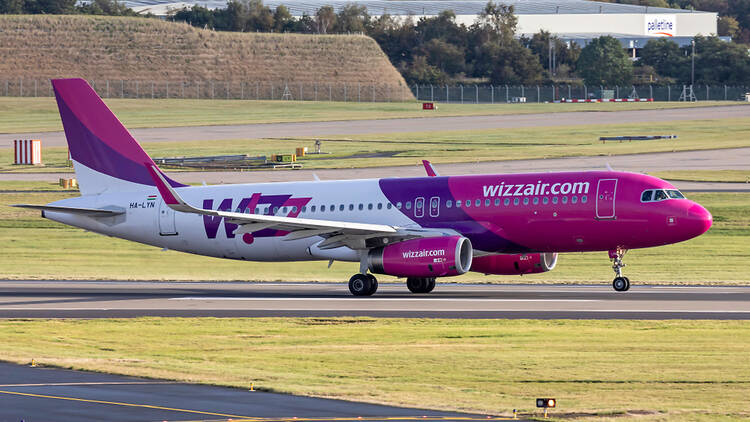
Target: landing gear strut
{"points": [[620, 283], [363, 284], [420, 285]]}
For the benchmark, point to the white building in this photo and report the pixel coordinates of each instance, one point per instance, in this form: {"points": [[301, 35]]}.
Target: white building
{"points": [[574, 20]]}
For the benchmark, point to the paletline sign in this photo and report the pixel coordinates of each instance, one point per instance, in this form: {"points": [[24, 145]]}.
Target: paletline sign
{"points": [[660, 25]]}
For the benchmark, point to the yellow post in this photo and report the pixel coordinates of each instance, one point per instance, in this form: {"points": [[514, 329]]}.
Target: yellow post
{"points": [[545, 413], [33, 363], [515, 414], [252, 386]]}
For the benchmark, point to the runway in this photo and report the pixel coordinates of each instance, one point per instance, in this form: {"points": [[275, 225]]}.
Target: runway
{"points": [[46, 394], [422, 124], [105, 299]]}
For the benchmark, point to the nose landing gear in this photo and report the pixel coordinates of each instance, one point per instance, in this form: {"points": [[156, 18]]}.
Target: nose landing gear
{"points": [[620, 283]]}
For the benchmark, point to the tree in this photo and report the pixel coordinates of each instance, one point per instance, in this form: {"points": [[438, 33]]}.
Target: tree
{"points": [[604, 62], [325, 19], [497, 23], [539, 44], [508, 64], [421, 72], [728, 26], [720, 62], [14, 7], [445, 56], [665, 57], [283, 21], [106, 7], [198, 16], [351, 19]]}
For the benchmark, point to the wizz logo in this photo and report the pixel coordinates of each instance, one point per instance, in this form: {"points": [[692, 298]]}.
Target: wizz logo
{"points": [[267, 205]]}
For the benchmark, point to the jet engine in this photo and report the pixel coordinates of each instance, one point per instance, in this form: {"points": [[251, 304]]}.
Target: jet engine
{"points": [[519, 264], [423, 257]]}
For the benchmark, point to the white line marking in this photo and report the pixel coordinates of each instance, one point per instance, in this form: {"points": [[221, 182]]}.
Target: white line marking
{"points": [[55, 384], [379, 300]]}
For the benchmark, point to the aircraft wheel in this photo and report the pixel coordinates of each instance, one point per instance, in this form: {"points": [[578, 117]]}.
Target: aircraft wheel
{"points": [[415, 284], [627, 284], [620, 284], [429, 285], [361, 285], [373, 284]]}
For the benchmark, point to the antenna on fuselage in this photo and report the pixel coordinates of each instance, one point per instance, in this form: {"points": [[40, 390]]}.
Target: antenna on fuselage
{"points": [[609, 167]]}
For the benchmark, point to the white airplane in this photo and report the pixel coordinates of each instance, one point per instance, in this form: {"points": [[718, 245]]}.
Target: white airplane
{"points": [[417, 228]]}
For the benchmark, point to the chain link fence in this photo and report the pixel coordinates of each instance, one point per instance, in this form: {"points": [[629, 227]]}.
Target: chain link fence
{"points": [[463, 94], [234, 90], [489, 94]]}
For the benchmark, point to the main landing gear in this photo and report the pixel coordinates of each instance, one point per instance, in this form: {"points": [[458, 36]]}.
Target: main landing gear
{"points": [[620, 283], [363, 284], [420, 285]]}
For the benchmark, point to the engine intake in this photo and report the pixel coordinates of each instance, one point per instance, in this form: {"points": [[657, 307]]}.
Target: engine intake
{"points": [[423, 257], [518, 264]]}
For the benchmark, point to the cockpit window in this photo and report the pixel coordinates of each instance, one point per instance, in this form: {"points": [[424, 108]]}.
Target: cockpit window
{"points": [[653, 195], [675, 194]]}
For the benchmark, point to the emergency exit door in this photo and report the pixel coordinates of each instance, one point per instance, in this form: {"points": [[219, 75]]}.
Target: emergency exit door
{"points": [[605, 199], [166, 220]]}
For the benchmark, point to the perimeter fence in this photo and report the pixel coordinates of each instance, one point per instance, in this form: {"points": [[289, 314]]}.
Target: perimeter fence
{"points": [[358, 92]]}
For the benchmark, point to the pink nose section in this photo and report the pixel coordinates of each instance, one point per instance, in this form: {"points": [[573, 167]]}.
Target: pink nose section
{"points": [[700, 218]]}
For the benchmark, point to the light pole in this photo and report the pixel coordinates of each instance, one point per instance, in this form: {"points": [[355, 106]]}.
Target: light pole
{"points": [[692, 66]]}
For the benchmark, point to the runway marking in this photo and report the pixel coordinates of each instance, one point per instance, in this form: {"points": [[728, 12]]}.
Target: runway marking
{"points": [[370, 299], [56, 384], [114, 403], [377, 418]]}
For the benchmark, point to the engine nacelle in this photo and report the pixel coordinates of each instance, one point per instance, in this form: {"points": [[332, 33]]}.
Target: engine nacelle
{"points": [[423, 257], [514, 264]]}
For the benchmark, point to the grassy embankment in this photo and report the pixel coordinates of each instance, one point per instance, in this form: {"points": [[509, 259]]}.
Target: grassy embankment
{"points": [[736, 176], [101, 48], [36, 248], [450, 146], [653, 370], [41, 115]]}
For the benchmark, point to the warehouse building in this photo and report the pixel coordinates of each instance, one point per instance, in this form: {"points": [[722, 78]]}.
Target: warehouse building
{"points": [[574, 20]]}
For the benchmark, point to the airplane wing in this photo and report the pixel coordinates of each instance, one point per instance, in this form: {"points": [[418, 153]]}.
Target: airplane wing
{"points": [[431, 172], [337, 233], [92, 212]]}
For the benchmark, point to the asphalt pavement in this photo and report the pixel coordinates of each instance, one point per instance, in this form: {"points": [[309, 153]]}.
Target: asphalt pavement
{"points": [[34, 394], [105, 299]]}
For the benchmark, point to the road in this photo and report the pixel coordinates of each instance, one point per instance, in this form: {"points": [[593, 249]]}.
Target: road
{"points": [[72, 299], [49, 394], [423, 124]]}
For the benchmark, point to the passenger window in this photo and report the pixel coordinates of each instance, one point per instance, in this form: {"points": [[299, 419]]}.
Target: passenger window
{"points": [[478, 203], [369, 206], [294, 210], [660, 195], [526, 200], [275, 210], [574, 200], [360, 207], [584, 199], [486, 202], [284, 210], [304, 209], [515, 201], [380, 206], [536, 200], [468, 203], [332, 208], [312, 208], [497, 202], [646, 196], [458, 204], [341, 207], [408, 205], [448, 204], [398, 205], [506, 201], [564, 199], [554, 200], [545, 200], [389, 205]]}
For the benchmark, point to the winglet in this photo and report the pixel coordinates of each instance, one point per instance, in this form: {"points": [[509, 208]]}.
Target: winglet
{"points": [[170, 196], [431, 172]]}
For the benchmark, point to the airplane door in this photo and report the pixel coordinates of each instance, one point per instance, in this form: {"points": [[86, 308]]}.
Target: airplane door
{"points": [[166, 220], [605, 199], [419, 207], [434, 206]]}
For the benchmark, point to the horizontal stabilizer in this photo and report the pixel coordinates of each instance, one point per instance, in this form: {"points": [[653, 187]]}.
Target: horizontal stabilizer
{"points": [[93, 212]]}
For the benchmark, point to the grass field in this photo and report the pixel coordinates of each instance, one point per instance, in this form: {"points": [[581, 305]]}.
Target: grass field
{"points": [[40, 114], [447, 146], [36, 248], [654, 370]]}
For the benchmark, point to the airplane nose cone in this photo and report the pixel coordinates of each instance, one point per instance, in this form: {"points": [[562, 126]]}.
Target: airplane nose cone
{"points": [[699, 218]]}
